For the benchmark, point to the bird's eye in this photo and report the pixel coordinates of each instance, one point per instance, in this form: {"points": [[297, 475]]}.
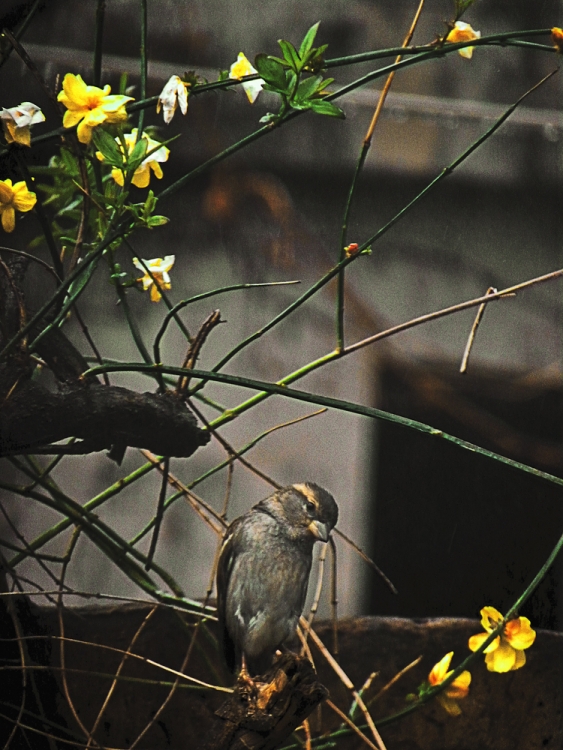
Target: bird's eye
{"points": [[311, 507]]}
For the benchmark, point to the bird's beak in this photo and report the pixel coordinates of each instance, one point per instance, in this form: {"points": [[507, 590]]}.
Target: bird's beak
{"points": [[319, 530]]}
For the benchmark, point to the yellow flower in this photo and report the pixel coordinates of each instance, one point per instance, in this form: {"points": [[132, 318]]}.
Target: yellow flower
{"points": [[455, 691], [462, 32], [142, 175], [160, 279], [175, 92], [90, 106], [506, 652], [17, 121], [557, 37], [242, 67], [14, 198]]}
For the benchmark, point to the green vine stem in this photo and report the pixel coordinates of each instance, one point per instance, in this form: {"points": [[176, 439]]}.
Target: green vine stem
{"points": [[205, 295], [143, 58], [266, 389], [346, 260]]}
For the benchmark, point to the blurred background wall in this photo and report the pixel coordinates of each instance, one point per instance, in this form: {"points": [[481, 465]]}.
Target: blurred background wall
{"points": [[454, 533]]}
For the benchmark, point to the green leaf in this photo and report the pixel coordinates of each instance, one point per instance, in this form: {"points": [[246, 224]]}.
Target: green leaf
{"points": [[307, 88], [150, 204], [157, 221], [107, 147], [70, 163], [322, 107], [290, 55], [308, 41], [137, 155], [271, 71], [324, 84]]}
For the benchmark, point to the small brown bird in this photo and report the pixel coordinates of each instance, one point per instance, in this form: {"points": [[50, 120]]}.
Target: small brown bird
{"points": [[263, 572]]}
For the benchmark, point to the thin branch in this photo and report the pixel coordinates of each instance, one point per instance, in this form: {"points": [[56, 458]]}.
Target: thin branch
{"points": [[473, 332]]}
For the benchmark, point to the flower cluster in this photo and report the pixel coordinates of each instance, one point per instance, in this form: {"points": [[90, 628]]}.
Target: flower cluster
{"points": [[456, 690], [506, 651], [155, 153], [504, 654], [90, 106]]}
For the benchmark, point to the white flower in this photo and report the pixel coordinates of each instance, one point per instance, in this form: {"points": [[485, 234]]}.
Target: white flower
{"points": [[462, 32], [160, 279], [242, 67], [17, 121], [174, 93]]}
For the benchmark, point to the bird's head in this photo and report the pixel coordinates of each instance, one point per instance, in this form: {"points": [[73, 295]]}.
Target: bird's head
{"points": [[305, 510]]}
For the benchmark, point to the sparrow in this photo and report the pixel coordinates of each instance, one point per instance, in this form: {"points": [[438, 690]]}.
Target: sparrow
{"points": [[263, 573]]}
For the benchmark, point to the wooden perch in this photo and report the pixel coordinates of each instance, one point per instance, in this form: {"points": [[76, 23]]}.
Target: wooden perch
{"points": [[261, 717], [32, 416]]}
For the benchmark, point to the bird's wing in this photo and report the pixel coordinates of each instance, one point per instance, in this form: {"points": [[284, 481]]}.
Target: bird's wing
{"points": [[224, 569]]}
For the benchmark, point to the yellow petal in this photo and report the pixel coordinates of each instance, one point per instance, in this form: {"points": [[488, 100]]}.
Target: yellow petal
{"points": [[114, 103], [75, 90], [449, 704], [6, 191], [241, 67], [155, 294], [476, 641], [519, 633], [490, 618], [459, 688], [117, 175], [520, 660], [439, 670], [142, 176], [84, 132], [502, 659], [156, 168], [8, 219], [24, 200], [72, 117], [22, 135]]}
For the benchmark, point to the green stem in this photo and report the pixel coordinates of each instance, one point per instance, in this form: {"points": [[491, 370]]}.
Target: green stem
{"points": [[22, 29], [98, 41], [343, 235], [197, 298], [280, 389], [175, 186], [59, 295], [449, 169], [143, 55], [41, 215], [344, 261], [108, 540], [95, 502]]}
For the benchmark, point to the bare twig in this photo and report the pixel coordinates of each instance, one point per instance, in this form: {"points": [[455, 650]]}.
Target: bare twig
{"points": [[351, 724], [118, 671], [366, 559], [159, 512], [394, 680], [474, 327], [195, 348], [347, 682]]}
